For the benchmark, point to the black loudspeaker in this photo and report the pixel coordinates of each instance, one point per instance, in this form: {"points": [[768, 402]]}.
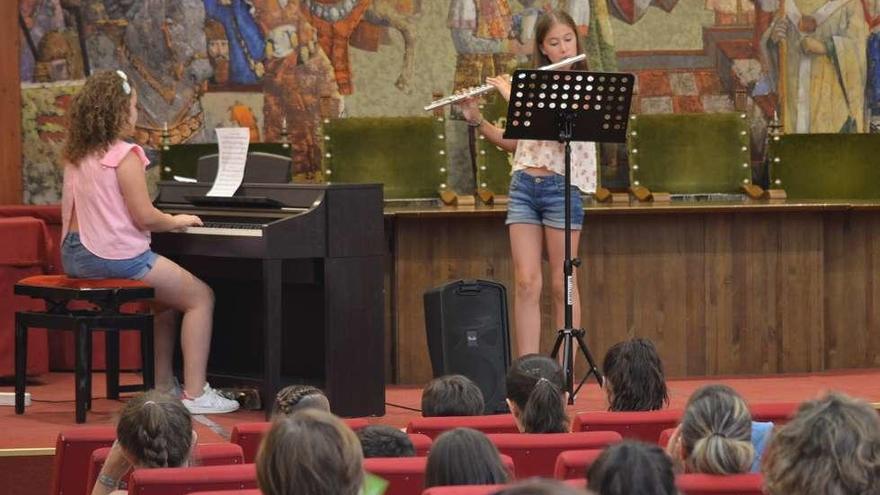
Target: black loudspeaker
{"points": [[468, 334]]}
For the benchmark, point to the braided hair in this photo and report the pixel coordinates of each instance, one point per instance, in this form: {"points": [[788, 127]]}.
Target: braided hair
{"points": [[296, 397], [535, 385], [156, 429]]}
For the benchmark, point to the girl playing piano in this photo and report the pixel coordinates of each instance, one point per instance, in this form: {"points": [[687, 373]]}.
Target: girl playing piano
{"points": [[107, 220]]}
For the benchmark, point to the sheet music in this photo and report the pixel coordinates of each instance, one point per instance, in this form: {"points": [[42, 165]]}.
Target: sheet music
{"points": [[233, 145]]}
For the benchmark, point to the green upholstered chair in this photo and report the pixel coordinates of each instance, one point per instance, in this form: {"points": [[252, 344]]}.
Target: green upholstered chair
{"points": [[689, 153], [182, 159], [825, 166], [493, 163], [406, 154]]}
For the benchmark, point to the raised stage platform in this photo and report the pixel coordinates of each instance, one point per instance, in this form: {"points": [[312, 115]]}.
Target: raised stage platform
{"points": [[721, 288]]}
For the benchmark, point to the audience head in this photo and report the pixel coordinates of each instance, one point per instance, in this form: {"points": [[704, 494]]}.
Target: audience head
{"points": [[385, 441], [310, 452], [634, 379], [155, 430], [632, 468], [103, 111], [535, 394], [463, 456], [452, 395], [831, 446], [716, 432], [293, 398], [540, 486]]}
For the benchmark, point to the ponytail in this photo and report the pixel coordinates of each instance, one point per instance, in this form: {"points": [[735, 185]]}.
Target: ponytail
{"points": [[717, 454], [544, 412]]}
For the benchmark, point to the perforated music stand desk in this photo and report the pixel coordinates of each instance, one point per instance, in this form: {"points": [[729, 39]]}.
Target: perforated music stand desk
{"points": [[569, 106]]}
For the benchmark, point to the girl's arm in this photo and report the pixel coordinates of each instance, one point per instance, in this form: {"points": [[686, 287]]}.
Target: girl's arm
{"points": [[132, 182], [493, 133], [115, 467]]}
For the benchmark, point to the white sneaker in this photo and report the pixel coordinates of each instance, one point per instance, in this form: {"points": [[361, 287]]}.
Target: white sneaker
{"points": [[210, 402]]}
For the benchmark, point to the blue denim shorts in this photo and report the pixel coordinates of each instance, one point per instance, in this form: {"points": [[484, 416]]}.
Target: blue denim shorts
{"points": [[539, 200], [79, 262]]}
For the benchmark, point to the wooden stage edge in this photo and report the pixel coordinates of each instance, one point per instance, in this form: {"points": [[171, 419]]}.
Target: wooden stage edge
{"points": [[722, 288]]}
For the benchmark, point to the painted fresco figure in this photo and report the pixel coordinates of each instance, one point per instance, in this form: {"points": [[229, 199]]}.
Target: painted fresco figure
{"points": [[823, 80], [480, 30], [872, 15], [245, 40]]}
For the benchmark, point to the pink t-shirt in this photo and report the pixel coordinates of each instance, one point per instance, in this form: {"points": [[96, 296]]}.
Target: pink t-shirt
{"points": [[106, 227]]}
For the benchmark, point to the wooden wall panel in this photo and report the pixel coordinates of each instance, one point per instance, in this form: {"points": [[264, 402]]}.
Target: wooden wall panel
{"points": [[725, 292], [10, 105]]}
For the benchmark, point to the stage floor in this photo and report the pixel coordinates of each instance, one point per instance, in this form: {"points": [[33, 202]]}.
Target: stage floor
{"points": [[52, 408]]}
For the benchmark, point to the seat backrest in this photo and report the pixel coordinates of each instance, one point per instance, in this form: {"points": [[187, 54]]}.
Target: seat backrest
{"points": [[182, 159], [825, 166], [434, 426], [665, 435], [493, 163], [421, 442], [639, 425], [260, 168], [406, 154], [406, 475], [689, 153], [573, 464], [463, 490], [181, 481], [777, 412], [534, 454], [710, 484], [207, 454], [230, 492], [249, 435], [73, 450]]}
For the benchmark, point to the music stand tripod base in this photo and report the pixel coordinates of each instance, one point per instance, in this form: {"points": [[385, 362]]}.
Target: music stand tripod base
{"points": [[568, 106]]}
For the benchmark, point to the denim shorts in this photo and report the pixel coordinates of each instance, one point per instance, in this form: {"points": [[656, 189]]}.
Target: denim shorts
{"points": [[79, 262], [539, 200]]}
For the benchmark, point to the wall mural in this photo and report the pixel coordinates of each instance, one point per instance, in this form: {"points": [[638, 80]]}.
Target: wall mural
{"points": [[263, 64]]}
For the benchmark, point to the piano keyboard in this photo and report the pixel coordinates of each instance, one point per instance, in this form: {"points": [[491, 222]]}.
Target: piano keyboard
{"points": [[237, 229]]}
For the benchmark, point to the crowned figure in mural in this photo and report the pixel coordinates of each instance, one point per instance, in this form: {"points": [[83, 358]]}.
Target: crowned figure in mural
{"points": [[817, 53], [160, 45], [244, 40], [298, 76]]}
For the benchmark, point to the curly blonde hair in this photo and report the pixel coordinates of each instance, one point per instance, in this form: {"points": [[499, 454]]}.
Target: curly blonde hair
{"points": [[98, 115], [832, 446]]}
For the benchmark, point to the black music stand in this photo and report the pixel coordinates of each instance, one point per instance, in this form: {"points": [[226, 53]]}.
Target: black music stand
{"points": [[569, 106]]}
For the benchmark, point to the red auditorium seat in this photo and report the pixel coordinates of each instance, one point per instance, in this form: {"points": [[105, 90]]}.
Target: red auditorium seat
{"points": [[665, 435], [208, 454], [230, 492], [463, 490], [182, 481], [710, 484], [639, 425], [422, 443], [249, 435], [406, 475], [535, 453], [496, 423], [777, 412], [573, 464], [73, 451]]}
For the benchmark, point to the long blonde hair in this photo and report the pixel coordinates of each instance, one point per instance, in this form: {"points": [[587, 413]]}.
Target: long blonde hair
{"points": [[716, 432]]}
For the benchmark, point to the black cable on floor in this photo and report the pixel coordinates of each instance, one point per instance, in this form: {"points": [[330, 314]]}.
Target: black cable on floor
{"points": [[403, 407]]}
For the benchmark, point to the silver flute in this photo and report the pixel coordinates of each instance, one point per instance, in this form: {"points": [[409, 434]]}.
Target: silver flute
{"points": [[488, 87]]}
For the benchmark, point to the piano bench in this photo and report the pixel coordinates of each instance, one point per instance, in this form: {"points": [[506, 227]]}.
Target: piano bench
{"points": [[106, 296]]}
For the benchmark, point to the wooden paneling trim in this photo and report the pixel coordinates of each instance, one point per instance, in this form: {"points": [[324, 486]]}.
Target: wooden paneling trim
{"points": [[10, 105]]}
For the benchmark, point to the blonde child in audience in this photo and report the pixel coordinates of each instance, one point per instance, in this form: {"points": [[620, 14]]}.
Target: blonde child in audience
{"points": [[714, 436], [154, 430], [830, 447]]}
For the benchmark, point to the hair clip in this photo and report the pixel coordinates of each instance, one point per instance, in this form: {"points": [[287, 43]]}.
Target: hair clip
{"points": [[125, 86], [149, 402]]}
